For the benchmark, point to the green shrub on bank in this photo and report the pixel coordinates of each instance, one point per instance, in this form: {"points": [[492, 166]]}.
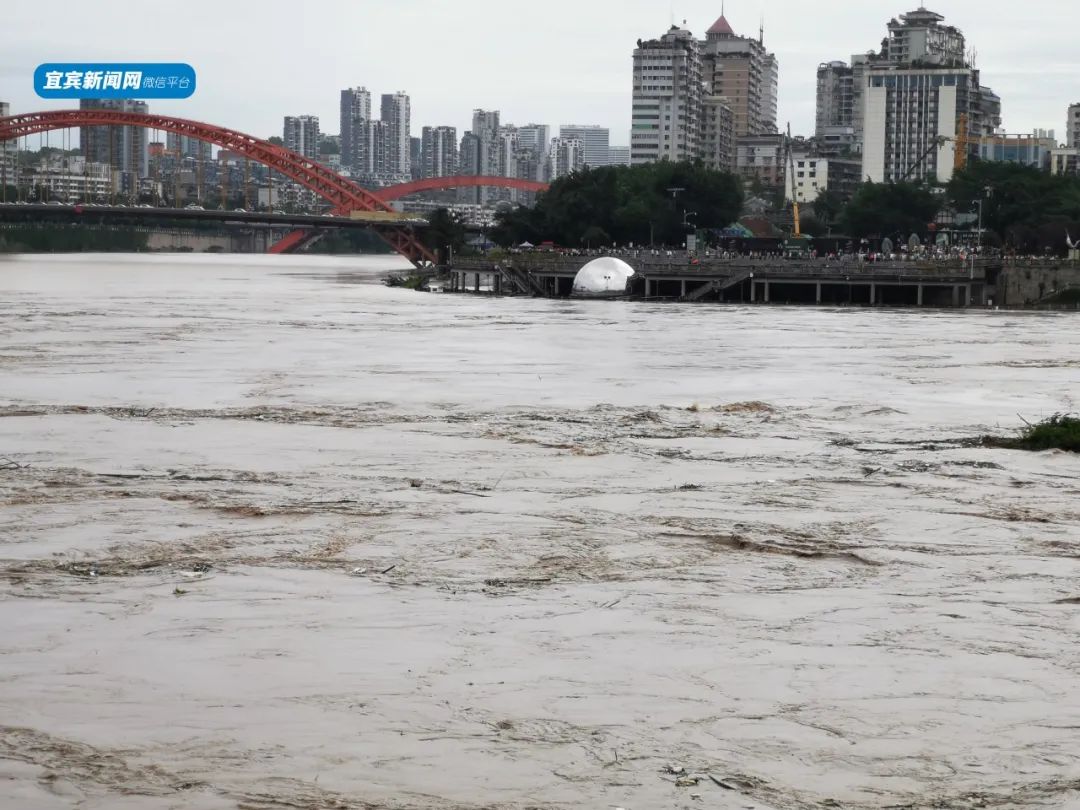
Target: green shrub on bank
{"points": [[1059, 432]]}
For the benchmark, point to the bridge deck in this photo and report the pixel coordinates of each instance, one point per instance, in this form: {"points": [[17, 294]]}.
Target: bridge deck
{"points": [[37, 212]]}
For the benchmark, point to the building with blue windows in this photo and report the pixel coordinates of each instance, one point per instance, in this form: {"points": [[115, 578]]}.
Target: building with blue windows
{"points": [[1027, 150]]}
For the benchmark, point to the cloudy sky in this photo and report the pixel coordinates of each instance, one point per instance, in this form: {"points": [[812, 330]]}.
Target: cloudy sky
{"points": [[550, 61]]}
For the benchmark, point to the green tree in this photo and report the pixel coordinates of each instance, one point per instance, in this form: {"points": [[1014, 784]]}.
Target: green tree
{"points": [[445, 233], [811, 226], [890, 209], [595, 237], [828, 207], [653, 203], [275, 140], [1017, 201]]}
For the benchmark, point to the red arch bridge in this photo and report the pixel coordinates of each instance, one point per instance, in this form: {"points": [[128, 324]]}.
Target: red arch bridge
{"points": [[343, 195]]}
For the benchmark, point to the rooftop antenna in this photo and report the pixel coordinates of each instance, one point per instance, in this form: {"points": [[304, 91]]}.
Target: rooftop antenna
{"points": [[761, 31]]}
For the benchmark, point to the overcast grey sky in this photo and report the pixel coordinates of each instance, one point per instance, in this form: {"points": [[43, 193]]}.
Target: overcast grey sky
{"points": [[550, 62]]}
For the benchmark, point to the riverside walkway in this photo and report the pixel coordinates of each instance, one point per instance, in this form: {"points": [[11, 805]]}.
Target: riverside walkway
{"points": [[846, 280]]}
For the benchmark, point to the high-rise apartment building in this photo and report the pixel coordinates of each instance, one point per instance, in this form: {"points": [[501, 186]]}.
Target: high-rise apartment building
{"points": [[396, 114], [742, 71], [5, 111], [567, 156], [511, 160], [469, 154], [123, 148], [7, 160], [301, 135], [919, 97], [371, 152], [835, 97], [692, 98], [717, 147], [667, 93], [416, 169], [1072, 127], [506, 147], [355, 106], [596, 140], [536, 137], [184, 147], [480, 154], [438, 151], [536, 140]]}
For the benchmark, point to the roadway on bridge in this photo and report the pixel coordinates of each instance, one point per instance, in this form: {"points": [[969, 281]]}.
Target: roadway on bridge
{"points": [[97, 214]]}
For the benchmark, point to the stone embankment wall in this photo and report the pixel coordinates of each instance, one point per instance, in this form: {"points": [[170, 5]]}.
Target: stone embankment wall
{"points": [[1027, 284]]}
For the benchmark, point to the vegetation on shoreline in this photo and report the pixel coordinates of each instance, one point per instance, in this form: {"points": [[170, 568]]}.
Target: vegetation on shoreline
{"points": [[1058, 432], [653, 203], [1024, 209], [71, 239]]}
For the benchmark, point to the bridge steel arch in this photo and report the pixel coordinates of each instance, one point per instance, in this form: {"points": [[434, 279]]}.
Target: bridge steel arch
{"points": [[457, 181], [343, 194]]}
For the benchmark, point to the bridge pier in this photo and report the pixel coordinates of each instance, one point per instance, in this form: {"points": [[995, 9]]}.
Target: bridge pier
{"points": [[919, 296], [818, 292]]}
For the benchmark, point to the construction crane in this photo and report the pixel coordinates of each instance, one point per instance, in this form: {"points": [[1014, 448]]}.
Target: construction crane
{"points": [[962, 139], [790, 161], [936, 143]]}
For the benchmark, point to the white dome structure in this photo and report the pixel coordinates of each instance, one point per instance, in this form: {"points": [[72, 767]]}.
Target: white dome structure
{"points": [[606, 276]]}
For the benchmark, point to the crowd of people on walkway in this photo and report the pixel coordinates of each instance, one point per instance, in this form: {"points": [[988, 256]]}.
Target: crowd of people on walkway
{"points": [[681, 255]]}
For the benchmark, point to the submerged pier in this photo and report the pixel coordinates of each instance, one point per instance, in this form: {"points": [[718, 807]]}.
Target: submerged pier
{"points": [[942, 283]]}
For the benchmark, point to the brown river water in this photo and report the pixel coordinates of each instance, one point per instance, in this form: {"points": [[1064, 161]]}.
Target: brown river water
{"points": [[273, 535]]}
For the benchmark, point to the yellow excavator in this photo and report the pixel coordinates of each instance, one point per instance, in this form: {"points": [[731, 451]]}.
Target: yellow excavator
{"points": [[797, 245]]}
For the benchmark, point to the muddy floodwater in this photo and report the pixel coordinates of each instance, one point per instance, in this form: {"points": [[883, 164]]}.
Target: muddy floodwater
{"points": [[274, 535]]}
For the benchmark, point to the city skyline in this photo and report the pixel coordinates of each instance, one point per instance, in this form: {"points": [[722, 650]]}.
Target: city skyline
{"points": [[544, 71]]}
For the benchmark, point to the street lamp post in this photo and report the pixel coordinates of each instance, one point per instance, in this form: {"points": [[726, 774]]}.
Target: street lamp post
{"points": [[980, 232], [979, 235]]}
